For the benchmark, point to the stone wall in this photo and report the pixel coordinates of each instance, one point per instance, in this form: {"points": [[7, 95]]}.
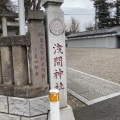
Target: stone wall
{"points": [[14, 108], [24, 96]]}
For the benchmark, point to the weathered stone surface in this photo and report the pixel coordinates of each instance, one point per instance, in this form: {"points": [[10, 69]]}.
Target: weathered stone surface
{"points": [[0, 68], [7, 90], [38, 54], [39, 106], [12, 15], [4, 26], [20, 65], [7, 65], [20, 40], [18, 106], [42, 117], [28, 107], [3, 104], [56, 49], [30, 91], [23, 92], [9, 117], [35, 15], [56, 1]]}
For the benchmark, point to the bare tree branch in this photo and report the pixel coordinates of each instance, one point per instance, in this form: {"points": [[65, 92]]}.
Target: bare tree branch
{"points": [[38, 5], [32, 5], [74, 27]]}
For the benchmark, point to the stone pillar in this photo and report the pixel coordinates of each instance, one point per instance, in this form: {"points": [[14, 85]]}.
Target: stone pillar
{"points": [[20, 65], [0, 70], [6, 58], [38, 66], [56, 54], [56, 48], [4, 26], [7, 66]]}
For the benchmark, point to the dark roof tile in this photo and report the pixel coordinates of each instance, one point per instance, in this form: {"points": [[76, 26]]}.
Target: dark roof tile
{"points": [[95, 32]]}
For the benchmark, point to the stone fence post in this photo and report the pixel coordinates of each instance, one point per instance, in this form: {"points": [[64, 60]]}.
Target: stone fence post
{"points": [[38, 64], [6, 58]]}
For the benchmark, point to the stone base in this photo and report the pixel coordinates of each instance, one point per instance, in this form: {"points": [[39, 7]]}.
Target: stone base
{"points": [[65, 114], [4, 116], [24, 107], [30, 91], [14, 108], [23, 92]]}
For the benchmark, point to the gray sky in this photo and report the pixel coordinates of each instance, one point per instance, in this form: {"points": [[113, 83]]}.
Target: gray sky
{"points": [[84, 8], [78, 3]]}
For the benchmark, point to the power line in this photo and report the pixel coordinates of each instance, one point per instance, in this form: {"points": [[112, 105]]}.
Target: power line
{"points": [[78, 14]]}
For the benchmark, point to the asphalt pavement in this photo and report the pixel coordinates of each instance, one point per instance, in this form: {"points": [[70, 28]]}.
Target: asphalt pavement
{"points": [[105, 110], [102, 97], [90, 89]]}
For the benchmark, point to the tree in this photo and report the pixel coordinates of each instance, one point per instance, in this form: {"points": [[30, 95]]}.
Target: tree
{"points": [[117, 13], [3, 6], [73, 27], [102, 14], [32, 4], [7, 6], [89, 26]]}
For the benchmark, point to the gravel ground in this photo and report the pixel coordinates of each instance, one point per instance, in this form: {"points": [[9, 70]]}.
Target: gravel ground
{"points": [[104, 63], [74, 102]]}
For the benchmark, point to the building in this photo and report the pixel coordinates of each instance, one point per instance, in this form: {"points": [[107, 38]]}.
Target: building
{"points": [[102, 38]]}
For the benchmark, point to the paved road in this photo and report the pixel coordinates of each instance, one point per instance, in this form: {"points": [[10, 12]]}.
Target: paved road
{"points": [[105, 110], [90, 89]]}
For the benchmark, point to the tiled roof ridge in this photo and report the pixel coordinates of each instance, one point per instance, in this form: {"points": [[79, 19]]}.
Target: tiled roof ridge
{"points": [[95, 32]]}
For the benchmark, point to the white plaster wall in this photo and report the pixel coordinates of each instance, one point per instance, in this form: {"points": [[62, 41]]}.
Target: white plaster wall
{"points": [[100, 42], [111, 42]]}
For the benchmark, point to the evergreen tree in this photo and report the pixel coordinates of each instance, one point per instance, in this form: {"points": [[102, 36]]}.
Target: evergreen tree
{"points": [[117, 13], [102, 14]]}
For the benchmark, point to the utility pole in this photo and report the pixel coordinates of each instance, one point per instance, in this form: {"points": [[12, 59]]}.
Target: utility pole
{"points": [[21, 17]]}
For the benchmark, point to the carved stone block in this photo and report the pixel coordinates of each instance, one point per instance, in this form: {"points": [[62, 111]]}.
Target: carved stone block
{"points": [[8, 117], [18, 106], [56, 1], [23, 92], [3, 104], [35, 14], [7, 90], [38, 62], [30, 92], [42, 117], [28, 107], [39, 105]]}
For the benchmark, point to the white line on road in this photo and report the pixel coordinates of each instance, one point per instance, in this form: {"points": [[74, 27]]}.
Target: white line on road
{"points": [[103, 98], [90, 102], [94, 77]]}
